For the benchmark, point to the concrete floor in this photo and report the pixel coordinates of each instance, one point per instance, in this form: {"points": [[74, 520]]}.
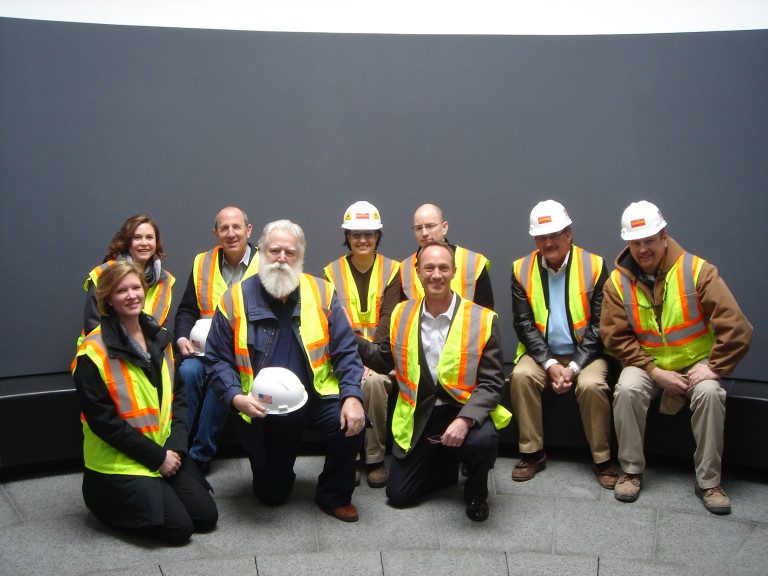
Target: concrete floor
{"points": [[561, 522]]}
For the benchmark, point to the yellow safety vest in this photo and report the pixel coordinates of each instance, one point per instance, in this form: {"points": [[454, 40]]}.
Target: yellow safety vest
{"points": [[209, 283], [585, 269], [316, 295], [339, 274], [469, 266], [157, 300], [456, 369], [685, 335], [136, 402]]}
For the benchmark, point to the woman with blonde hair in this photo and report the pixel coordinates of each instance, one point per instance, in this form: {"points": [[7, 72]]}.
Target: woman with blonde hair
{"points": [[137, 474]]}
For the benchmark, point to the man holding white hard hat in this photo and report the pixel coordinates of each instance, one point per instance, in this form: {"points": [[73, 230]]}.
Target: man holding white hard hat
{"points": [[284, 318], [213, 272]]}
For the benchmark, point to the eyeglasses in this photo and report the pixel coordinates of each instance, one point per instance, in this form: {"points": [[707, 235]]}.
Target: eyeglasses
{"points": [[435, 439], [548, 237], [421, 227], [369, 235]]}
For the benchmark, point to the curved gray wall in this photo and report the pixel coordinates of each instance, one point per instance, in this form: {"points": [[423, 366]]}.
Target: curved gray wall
{"points": [[101, 122]]}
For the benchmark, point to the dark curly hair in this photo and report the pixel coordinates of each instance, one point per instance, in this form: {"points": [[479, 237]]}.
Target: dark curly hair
{"points": [[121, 242]]}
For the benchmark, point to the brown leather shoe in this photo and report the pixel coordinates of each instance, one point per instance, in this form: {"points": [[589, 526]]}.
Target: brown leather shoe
{"points": [[607, 476], [346, 513], [526, 468]]}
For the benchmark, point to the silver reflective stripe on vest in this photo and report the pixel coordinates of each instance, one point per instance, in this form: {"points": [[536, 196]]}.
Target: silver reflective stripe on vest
{"points": [[408, 272], [125, 403], [469, 275], [472, 360], [401, 336], [588, 272], [205, 286], [525, 271], [321, 352], [242, 358]]}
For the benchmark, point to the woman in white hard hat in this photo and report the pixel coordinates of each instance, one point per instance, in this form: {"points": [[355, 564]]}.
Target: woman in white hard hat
{"points": [[138, 240], [136, 473], [369, 287]]}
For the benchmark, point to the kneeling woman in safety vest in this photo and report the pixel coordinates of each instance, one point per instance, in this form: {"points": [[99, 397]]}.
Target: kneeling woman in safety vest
{"points": [[137, 474]]}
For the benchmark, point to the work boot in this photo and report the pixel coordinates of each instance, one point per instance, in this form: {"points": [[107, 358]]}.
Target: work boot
{"points": [[714, 499], [628, 487], [377, 475]]}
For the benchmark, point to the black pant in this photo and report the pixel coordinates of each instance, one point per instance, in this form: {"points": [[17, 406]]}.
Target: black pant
{"points": [[272, 444], [428, 467], [187, 505]]}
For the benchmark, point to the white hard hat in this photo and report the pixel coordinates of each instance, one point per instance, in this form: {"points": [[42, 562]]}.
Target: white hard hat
{"points": [[548, 217], [279, 390], [199, 335], [641, 220], [362, 215]]}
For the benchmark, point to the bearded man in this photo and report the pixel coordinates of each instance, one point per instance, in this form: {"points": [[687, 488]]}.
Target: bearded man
{"points": [[284, 318]]}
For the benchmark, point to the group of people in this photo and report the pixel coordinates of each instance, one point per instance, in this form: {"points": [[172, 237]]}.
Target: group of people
{"points": [[422, 331]]}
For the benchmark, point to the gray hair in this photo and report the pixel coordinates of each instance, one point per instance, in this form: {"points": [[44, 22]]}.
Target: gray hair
{"points": [[287, 226]]}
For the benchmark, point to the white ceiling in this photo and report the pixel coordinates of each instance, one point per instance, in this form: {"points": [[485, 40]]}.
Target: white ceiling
{"points": [[534, 17]]}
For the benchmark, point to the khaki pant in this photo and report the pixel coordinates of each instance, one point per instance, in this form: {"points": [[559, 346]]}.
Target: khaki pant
{"points": [[376, 389], [633, 396], [529, 379]]}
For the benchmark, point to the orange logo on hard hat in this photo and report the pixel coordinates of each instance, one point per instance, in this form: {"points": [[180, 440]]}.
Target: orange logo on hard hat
{"points": [[638, 222], [363, 216], [347, 216], [545, 219]]}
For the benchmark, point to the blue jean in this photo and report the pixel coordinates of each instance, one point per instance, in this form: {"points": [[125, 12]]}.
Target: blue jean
{"points": [[206, 419]]}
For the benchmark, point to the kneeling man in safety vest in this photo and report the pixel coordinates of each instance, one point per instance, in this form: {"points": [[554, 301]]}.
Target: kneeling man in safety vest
{"points": [[448, 358], [283, 318], [671, 320]]}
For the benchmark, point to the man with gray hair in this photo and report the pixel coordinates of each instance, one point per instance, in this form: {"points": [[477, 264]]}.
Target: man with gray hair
{"points": [[284, 318]]}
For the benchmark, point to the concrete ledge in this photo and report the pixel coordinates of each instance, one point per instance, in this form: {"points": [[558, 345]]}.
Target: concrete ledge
{"points": [[40, 423]]}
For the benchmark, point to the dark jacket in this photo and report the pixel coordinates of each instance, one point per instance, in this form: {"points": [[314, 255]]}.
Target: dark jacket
{"points": [[528, 333], [483, 400], [219, 358]]}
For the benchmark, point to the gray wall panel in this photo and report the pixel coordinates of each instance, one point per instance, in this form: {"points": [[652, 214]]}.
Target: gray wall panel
{"points": [[101, 122]]}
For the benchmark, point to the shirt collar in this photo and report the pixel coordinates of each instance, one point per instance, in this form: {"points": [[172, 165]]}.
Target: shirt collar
{"points": [[244, 260], [448, 312], [563, 266]]}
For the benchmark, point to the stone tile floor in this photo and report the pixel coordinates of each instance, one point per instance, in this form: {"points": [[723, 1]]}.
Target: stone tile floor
{"points": [[561, 523]]}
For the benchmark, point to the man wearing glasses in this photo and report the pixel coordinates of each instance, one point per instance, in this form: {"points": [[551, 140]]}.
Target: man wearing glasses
{"points": [[368, 287], [447, 408], [671, 320], [212, 273], [556, 300], [472, 280]]}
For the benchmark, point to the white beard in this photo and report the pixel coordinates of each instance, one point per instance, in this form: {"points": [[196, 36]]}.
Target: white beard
{"points": [[279, 279]]}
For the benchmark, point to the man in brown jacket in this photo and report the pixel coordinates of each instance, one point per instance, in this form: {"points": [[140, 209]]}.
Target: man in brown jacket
{"points": [[671, 320]]}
